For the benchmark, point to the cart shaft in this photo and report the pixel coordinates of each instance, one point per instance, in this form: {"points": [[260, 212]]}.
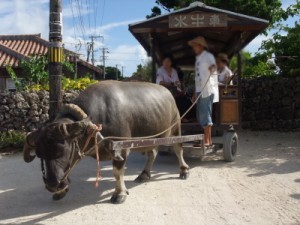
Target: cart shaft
{"points": [[119, 145]]}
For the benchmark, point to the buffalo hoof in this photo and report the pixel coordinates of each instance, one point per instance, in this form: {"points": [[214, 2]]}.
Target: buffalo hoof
{"points": [[184, 175], [118, 198], [60, 195], [142, 178]]}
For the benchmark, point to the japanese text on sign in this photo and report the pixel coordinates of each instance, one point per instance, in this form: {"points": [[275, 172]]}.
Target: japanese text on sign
{"points": [[199, 19]]}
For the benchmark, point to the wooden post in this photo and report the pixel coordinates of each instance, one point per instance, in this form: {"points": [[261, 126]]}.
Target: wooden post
{"points": [[55, 57], [153, 56], [240, 69]]}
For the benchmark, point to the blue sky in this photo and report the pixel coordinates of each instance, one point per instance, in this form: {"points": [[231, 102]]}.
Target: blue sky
{"points": [[82, 18]]}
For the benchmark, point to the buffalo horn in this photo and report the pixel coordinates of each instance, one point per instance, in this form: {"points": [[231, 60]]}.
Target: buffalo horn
{"points": [[72, 130]]}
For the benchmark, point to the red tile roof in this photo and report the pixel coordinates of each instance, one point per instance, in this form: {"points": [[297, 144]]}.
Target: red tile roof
{"points": [[13, 48], [16, 47]]}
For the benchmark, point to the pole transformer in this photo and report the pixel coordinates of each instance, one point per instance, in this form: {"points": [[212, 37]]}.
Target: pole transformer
{"points": [[55, 53]]}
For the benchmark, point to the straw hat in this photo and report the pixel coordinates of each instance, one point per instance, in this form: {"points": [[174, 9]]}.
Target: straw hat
{"points": [[223, 57], [198, 41]]}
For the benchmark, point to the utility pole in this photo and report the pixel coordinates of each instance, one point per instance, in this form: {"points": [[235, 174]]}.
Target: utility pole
{"points": [[77, 47], [92, 47], [89, 47], [104, 51], [117, 71], [55, 57], [123, 67]]}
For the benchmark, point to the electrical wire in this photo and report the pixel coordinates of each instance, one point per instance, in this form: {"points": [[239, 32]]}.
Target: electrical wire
{"points": [[87, 2], [95, 12], [103, 10], [73, 19], [81, 21]]}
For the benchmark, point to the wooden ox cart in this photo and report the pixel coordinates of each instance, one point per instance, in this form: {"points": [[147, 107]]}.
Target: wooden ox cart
{"points": [[226, 32]]}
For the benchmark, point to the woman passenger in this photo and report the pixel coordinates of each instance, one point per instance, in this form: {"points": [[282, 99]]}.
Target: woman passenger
{"points": [[167, 76]]}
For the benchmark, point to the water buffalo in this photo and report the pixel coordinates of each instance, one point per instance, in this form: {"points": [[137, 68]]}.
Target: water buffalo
{"points": [[131, 109]]}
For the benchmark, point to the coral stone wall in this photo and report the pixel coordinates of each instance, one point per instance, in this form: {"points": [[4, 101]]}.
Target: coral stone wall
{"points": [[271, 103], [26, 110]]}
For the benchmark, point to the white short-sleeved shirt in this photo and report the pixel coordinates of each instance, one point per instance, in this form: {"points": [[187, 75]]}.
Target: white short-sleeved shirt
{"points": [[224, 74], [202, 75], [162, 75]]}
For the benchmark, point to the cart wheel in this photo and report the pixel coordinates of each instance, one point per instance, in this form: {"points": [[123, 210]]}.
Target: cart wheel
{"points": [[230, 146]]}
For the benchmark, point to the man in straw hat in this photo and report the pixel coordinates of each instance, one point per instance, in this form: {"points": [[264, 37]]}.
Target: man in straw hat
{"points": [[223, 70], [205, 66]]}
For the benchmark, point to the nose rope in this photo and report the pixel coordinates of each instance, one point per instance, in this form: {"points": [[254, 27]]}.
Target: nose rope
{"points": [[94, 129], [92, 132]]}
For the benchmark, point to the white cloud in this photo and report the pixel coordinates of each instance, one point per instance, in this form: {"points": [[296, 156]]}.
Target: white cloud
{"points": [[103, 30], [124, 55], [117, 24], [32, 16], [24, 17], [71, 10], [128, 56]]}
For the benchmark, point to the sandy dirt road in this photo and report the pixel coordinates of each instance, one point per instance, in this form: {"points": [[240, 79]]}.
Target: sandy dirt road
{"points": [[262, 187]]}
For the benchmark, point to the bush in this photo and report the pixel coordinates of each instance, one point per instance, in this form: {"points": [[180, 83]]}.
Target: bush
{"points": [[67, 84], [15, 139], [77, 84]]}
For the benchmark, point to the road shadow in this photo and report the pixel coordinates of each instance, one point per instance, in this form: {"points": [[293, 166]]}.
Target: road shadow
{"points": [[296, 196], [22, 187], [261, 154]]}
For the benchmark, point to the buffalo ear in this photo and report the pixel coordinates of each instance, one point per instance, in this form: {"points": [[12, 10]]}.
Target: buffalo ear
{"points": [[72, 130], [29, 145]]}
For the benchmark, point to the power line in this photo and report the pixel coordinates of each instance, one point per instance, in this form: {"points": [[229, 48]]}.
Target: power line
{"points": [[81, 22], [103, 10], [95, 12], [73, 20]]}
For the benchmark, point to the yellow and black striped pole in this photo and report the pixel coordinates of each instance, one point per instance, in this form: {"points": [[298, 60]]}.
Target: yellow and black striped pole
{"points": [[55, 55]]}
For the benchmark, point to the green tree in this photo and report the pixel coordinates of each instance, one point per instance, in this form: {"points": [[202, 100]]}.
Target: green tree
{"points": [[267, 9], [246, 56], [111, 73], [34, 71], [143, 72], [285, 50], [253, 66]]}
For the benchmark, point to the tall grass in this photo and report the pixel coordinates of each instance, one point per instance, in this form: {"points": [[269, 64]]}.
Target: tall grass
{"points": [[14, 139]]}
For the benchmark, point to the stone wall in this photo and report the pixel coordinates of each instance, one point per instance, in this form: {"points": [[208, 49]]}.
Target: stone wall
{"points": [[268, 104], [25, 110], [271, 103]]}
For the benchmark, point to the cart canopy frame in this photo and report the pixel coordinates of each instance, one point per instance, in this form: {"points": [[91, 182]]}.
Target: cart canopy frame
{"points": [[225, 31]]}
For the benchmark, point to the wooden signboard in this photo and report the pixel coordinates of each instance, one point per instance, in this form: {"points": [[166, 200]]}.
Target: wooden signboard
{"points": [[198, 19]]}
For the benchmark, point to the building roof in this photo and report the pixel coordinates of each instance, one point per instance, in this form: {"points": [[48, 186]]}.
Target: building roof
{"points": [[169, 34], [14, 48]]}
